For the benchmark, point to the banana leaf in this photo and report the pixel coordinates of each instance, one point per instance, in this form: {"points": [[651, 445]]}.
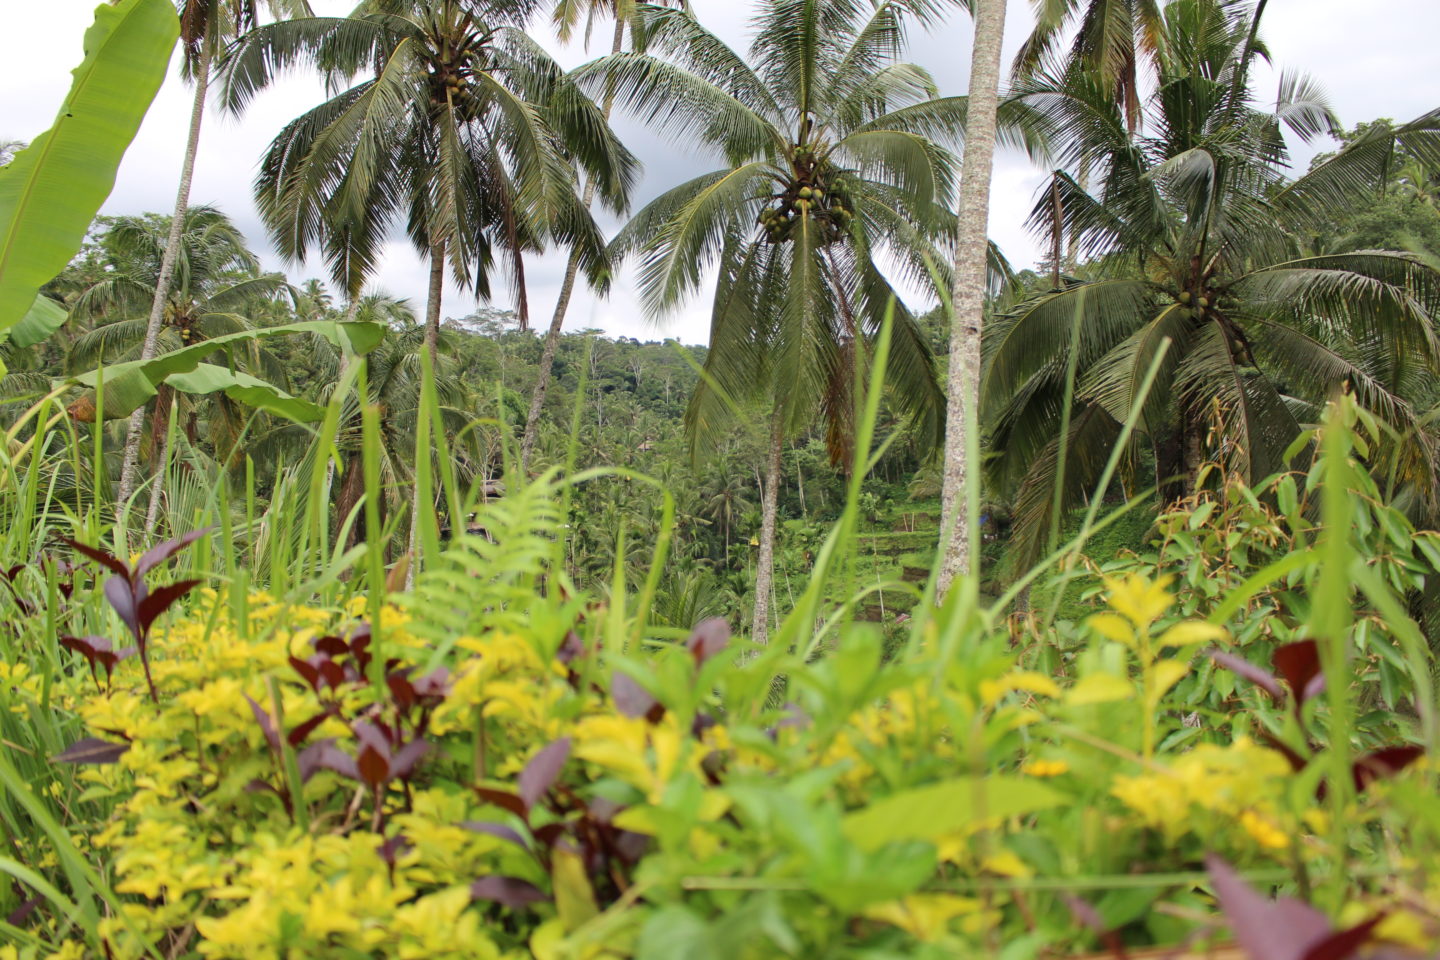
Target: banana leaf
{"points": [[51, 191]]}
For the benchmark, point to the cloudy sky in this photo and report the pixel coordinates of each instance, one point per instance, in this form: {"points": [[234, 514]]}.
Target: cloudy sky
{"points": [[1376, 59]]}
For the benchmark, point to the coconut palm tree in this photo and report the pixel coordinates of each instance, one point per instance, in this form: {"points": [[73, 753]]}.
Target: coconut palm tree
{"points": [[968, 297], [447, 115], [834, 160], [1195, 268], [205, 27], [216, 280], [567, 16]]}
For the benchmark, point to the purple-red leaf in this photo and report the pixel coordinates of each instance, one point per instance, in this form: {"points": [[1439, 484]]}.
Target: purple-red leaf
{"points": [[161, 552], [1283, 929], [331, 673], [542, 771], [548, 834], [324, 755], [267, 725], [710, 638], [1383, 763], [332, 646], [107, 560], [150, 608], [298, 733], [374, 768], [509, 892], [434, 685], [503, 799], [497, 830], [91, 750], [372, 736], [1343, 943], [571, 649], [1255, 673], [308, 672], [1299, 664], [402, 764], [121, 595], [633, 700], [401, 691]]}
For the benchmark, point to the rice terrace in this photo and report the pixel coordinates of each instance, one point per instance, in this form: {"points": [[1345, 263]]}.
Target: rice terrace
{"points": [[720, 480]]}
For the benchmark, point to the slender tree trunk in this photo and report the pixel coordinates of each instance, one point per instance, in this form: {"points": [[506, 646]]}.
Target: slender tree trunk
{"points": [[130, 464], [969, 292], [562, 305], [160, 442], [432, 341], [769, 507]]}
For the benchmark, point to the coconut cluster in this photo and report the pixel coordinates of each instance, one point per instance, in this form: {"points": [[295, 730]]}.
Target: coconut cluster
{"points": [[815, 192]]}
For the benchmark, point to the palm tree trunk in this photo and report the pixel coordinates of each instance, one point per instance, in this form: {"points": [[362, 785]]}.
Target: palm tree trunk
{"points": [[130, 463], [969, 292], [432, 346], [160, 441], [562, 305], [769, 507]]}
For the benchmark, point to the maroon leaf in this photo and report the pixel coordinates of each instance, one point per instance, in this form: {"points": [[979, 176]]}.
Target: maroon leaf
{"points": [[107, 560], [509, 892], [267, 725], [150, 609], [161, 552], [548, 834], [496, 830], [401, 690], [1256, 674], [633, 700], [262, 786], [402, 764], [299, 732], [308, 672], [542, 770], [504, 800], [710, 638], [91, 750], [374, 768], [1383, 763], [22, 913], [1343, 944], [1299, 664], [330, 672], [1283, 929], [121, 595], [332, 646]]}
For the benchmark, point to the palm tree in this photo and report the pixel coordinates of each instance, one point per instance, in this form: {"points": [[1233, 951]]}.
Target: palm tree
{"points": [[968, 298], [567, 16], [205, 27], [832, 162], [459, 122], [1111, 38], [1196, 268], [216, 281]]}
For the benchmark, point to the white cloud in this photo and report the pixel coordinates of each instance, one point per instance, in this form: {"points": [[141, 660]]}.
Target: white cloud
{"points": [[1371, 58]]}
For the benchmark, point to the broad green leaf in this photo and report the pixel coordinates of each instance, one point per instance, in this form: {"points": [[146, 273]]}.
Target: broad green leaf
{"points": [[44, 317], [51, 191], [243, 388], [129, 385], [932, 812]]}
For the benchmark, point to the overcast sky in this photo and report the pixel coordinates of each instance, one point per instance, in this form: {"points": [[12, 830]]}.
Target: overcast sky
{"points": [[1375, 59]]}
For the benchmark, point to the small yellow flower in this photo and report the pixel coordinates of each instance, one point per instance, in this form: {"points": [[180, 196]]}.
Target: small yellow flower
{"points": [[1045, 768], [1264, 832]]}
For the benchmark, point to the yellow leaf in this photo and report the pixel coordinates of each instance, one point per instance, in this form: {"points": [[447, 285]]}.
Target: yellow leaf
{"points": [[1139, 598], [545, 942], [1167, 674], [637, 820], [574, 897], [1028, 681], [1007, 864], [1112, 626], [1099, 688], [925, 916], [1191, 632]]}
